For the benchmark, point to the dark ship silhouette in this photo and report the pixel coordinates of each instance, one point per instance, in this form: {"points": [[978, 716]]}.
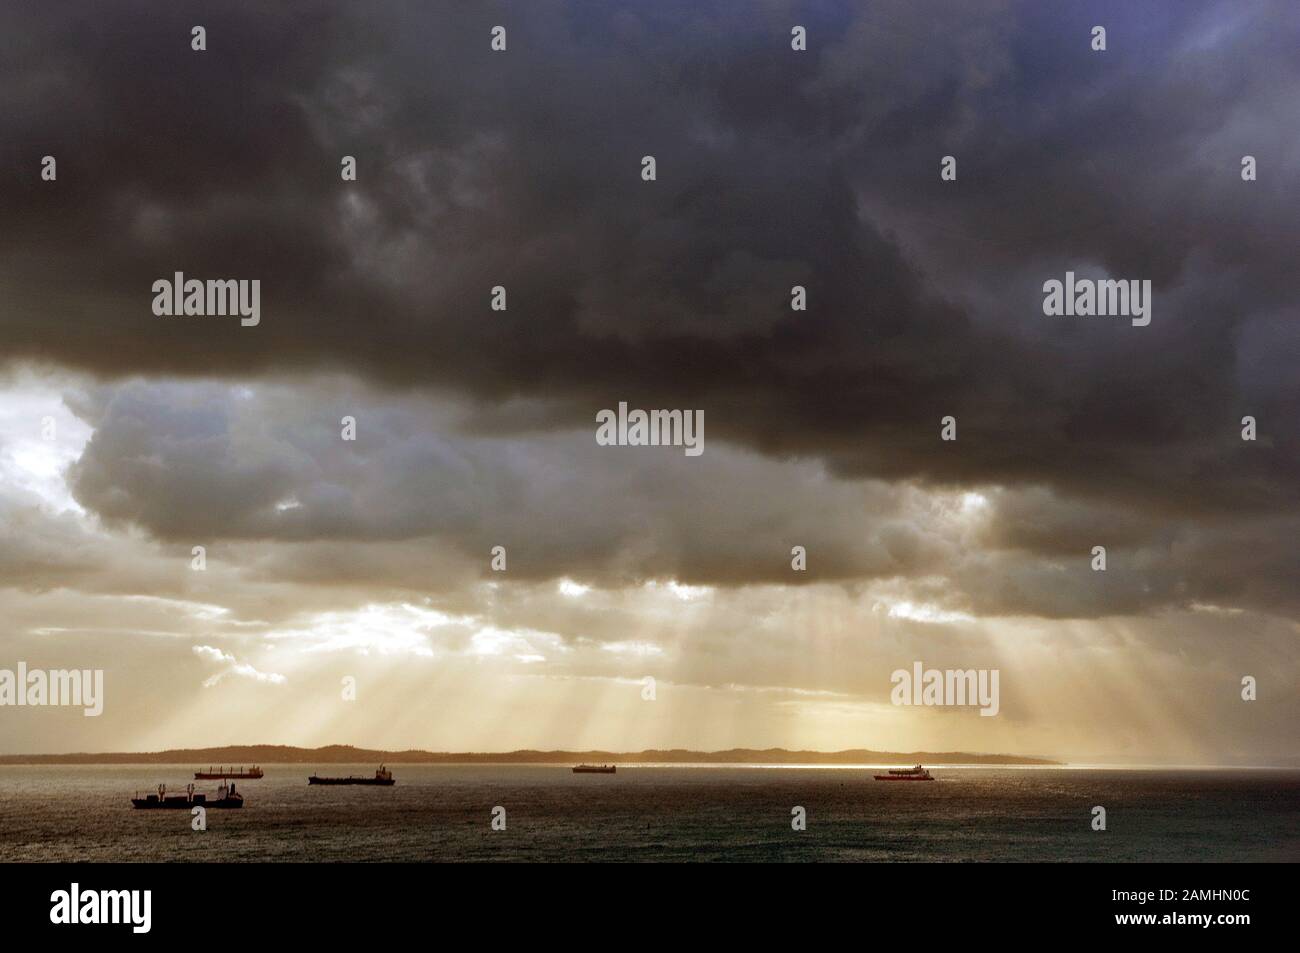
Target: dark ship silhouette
{"points": [[226, 797], [221, 773], [382, 777]]}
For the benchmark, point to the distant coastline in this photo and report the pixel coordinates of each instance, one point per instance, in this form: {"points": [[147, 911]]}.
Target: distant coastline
{"points": [[344, 754]]}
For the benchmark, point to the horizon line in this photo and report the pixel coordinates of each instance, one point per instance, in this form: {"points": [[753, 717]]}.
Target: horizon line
{"points": [[535, 755]]}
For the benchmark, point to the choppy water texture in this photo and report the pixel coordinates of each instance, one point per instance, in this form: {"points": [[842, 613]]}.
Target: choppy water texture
{"points": [[443, 813]]}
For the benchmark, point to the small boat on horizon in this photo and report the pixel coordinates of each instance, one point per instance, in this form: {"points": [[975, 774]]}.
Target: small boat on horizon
{"points": [[383, 777], [221, 773], [917, 773], [595, 768], [226, 797]]}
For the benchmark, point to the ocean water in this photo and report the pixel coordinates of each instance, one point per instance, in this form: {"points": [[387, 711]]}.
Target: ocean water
{"points": [[655, 813]]}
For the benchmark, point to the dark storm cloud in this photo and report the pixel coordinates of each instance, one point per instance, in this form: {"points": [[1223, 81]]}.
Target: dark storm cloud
{"points": [[775, 168], [416, 503], [198, 463]]}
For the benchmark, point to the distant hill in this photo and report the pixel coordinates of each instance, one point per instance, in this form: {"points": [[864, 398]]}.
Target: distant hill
{"points": [[346, 754]]}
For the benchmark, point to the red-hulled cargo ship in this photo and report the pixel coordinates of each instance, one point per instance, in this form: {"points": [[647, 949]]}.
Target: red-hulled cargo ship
{"points": [[917, 773]]}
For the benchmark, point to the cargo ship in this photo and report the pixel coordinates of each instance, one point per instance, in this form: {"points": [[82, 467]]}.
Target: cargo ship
{"points": [[226, 797], [917, 773], [221, 773], [383, 777], [594, 769]]}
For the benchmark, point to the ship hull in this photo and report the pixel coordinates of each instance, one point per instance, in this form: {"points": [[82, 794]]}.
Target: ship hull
{"points": [[373, 782], [204, 776], [180, 804], [897, 777], [594, 770]]}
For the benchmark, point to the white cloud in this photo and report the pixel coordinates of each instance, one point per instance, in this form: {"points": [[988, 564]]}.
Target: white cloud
{"points": [[233, 667]]}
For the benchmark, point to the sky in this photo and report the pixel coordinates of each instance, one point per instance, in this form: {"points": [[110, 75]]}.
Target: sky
{"points": [[127, 439]]}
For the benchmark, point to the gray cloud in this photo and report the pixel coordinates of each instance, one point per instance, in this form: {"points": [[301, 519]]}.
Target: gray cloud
{"points": [[213, 464], [774, 168]]}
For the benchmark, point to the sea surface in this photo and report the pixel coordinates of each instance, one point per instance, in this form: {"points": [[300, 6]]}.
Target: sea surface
{"points": [[659, 813]]}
